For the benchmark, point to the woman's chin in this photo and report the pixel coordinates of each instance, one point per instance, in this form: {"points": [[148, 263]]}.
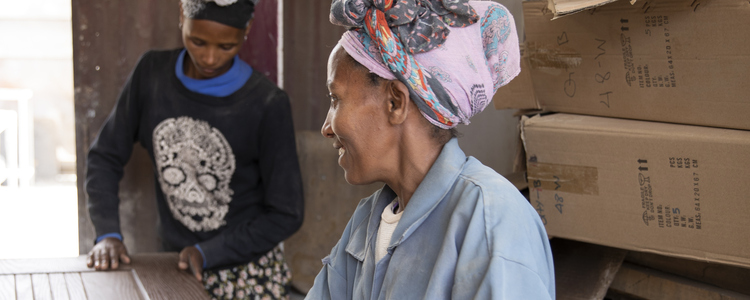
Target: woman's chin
{"points": [[350, 179], [353, 179]]}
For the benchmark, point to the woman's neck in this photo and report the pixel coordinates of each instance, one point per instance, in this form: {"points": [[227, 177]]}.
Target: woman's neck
{"points": [[415, 159]]}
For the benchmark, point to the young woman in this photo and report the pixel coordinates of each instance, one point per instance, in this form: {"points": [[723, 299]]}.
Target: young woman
{"points": [[221, 140], [444, 226]]}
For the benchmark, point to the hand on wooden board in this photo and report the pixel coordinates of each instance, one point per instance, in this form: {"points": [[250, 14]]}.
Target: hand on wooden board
{"points": [[107, 254], [191, 260]]}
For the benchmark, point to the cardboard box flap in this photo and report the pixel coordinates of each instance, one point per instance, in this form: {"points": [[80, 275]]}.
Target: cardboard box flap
{"points": [[582, 123], [519, 92], [561, 8]]}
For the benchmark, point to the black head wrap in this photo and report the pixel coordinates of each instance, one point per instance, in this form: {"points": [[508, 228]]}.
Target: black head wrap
{"points": [[235, 13]]}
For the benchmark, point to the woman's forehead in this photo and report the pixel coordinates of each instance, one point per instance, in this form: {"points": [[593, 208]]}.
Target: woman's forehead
{"points": [[207, 29], [342, 71]]}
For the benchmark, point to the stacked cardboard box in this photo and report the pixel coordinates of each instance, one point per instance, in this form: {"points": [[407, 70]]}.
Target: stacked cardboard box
{"points": [[675, 183], [681, 61], [670, 189]]}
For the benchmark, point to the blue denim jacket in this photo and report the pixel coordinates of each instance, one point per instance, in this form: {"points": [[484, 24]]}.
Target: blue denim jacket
{"points": [[466, 233]]}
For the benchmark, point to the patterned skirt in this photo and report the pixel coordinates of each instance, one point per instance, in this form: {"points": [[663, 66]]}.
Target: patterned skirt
{"points": [[264, 279]]}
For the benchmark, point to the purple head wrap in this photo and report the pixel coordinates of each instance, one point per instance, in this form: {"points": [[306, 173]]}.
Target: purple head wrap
{"points": [[451, 54]]}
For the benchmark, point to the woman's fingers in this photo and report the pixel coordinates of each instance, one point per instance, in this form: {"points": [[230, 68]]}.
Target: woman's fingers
{"points": [[124, 258], [90, 259], [196, 264], [102, 260], [108, 254], [191, 260], [114, 257], [183, 262]]}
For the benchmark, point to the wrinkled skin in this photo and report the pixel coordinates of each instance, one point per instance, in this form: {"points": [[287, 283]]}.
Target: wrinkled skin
{"points": [[377, 129]]}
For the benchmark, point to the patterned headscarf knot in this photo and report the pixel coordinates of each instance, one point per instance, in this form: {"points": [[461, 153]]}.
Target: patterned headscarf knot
{"points": [[422, 25]]}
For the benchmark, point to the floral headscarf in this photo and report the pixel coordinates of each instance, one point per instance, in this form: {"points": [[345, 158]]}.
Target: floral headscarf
{"points": [[447, 52]]}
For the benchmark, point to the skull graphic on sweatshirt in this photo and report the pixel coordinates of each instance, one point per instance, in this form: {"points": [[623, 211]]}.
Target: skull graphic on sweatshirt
{"points": [[194, 164]]}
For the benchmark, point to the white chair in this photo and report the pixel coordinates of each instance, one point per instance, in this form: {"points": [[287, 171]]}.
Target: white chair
{"points": [[18, 128]]}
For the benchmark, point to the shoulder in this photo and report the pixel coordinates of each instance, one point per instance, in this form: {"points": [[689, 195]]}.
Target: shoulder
{"points": [[512, 226], [260, 86], [154, 60], [499, 199], [491, 190]]}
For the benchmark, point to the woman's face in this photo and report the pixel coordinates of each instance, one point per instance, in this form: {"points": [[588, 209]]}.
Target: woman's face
{"points": [[211, 47], [357, 120]]}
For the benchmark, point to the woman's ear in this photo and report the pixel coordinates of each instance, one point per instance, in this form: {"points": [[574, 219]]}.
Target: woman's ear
{"points": [[398, 102]]}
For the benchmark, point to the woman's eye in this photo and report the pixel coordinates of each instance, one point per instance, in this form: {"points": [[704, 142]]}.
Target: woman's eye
{"points": [[227, 47], [334, 100]]}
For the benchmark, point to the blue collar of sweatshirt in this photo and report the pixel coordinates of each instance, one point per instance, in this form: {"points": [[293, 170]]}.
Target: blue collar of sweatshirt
{"points": [[219, 86]]}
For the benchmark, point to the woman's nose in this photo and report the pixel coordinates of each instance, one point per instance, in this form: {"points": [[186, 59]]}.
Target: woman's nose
{"points": [[326, 130], [210, 58]]}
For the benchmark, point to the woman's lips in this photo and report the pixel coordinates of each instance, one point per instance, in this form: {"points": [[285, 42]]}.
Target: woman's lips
{"points": [[338, 146]]}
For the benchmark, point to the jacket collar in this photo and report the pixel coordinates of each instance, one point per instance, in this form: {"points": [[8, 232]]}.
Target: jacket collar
{"points": [[430, 192], [433, 189]]}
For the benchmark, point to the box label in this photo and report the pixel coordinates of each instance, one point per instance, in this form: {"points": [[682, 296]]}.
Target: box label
{"points": [[670, 215], [644, 75]]}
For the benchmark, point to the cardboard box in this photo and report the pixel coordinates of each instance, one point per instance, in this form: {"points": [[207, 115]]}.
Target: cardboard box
{"points": [[679, 61], [561, 8], [519, 92], [677, 190]]}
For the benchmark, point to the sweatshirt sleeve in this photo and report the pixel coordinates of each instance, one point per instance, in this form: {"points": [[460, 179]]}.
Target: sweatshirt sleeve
{"points": [[283, 197], [108, 155]]}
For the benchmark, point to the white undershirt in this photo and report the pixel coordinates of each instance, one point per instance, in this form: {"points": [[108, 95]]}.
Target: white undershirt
{"points": [[388, 222]]}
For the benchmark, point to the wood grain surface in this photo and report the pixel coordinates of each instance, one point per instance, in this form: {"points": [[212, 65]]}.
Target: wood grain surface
{"points": [[43, 265], [40, 284], [149, 276], [7, 287], [114, 285], [23, 287], [58, 286], [152, 268], [75, 286]]}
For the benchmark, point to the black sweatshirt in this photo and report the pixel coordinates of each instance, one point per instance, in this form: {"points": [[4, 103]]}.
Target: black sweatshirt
{"points": [[227, 175]]}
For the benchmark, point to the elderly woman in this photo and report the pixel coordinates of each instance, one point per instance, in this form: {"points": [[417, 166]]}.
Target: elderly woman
{"points": [[444, 225]]}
